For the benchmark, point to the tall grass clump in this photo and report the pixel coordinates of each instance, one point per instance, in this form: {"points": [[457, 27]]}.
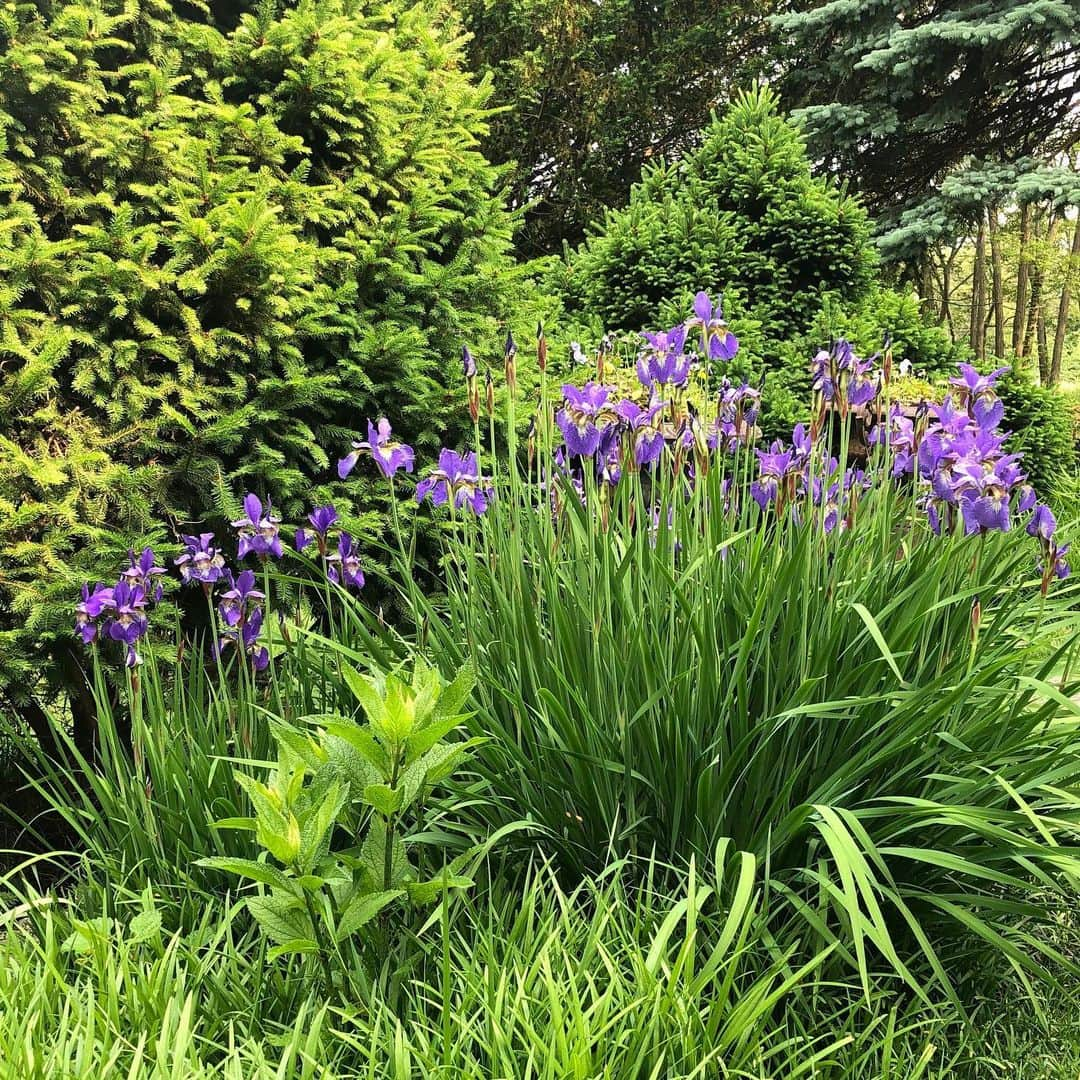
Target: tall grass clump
{"points": [[831, 652], [609, 978]]}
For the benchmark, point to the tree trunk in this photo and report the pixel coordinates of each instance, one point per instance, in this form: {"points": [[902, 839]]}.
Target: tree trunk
{"points": [[997, 292], [1044, 352], [946, 317], [37, 720], [1063, 307], [1023, 272], [1035, 306], [977, 335], [84, 719], [926, 288]]}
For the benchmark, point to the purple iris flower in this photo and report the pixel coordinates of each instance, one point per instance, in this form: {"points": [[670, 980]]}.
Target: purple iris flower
{"points": [[951, 420], [245, 637], [723, 346], [934, 518], [822, 381], [644, 427], [258, 529], [862, 387], [988, 412], [900, 431], [736, 400], [239, 598], [722, 435], [777, 466], [565, 476], [664, 362], [831, 516], [609, 465], [706, 314], [663, 369], [1008, 472], [343, 565], [802, 443], [674, 340], [945, 486], [722, 343], [657, 522], [1054, 564], [457, 479], [200, 560], [961, 459], [934, 452], [388, 455], [127, 617], [584, 415], [90, 609], [144, 573], [840, 376], [323, 519], [468, 364], [985, 506], [972, 385], [249, 635], [736, 414], [1043, 524], [1058, 565]]}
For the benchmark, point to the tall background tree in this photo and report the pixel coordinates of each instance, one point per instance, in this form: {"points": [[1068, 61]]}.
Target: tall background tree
{"points": [[896, 95], [953, 121], [593, 91]]}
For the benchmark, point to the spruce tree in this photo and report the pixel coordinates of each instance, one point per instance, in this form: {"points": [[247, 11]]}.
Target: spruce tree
{"points": [[895, 96], [229, 234], [742, 214]]}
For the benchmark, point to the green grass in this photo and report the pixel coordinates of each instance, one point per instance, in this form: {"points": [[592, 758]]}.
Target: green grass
{"points": [[639, 970], [599, 981]]}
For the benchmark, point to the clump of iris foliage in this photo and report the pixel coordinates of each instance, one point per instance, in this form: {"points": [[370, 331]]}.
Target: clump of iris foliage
{"points": [[778, 740]]}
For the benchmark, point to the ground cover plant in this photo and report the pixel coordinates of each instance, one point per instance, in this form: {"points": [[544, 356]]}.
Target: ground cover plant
{"points": [[781, 738]]}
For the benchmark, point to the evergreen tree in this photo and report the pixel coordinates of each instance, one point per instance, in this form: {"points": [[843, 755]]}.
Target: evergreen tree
{"points": [[894, 96], [228, 236], [741, 214]]}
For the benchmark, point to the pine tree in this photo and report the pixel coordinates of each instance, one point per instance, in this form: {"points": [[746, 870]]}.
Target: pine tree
{"points": [[229, 234]]}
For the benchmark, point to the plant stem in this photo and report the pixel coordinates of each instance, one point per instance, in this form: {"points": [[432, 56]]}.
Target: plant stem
{"points": [[320, 942]]}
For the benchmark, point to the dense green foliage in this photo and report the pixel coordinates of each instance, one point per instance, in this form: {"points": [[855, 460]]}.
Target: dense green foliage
{"points": [[594, 91], [1042, 429], [743, 214], [226, 239]]}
